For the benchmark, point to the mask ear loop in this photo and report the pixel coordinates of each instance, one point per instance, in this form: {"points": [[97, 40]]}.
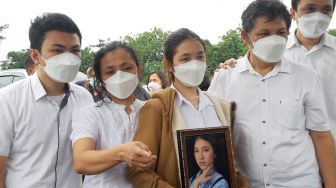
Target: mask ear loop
{"points": [[44, 59], [249, 36]]}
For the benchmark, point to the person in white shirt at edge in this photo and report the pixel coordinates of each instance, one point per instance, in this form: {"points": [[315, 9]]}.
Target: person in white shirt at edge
{"points": [[36, 113], [102, 132], [281, 135], [312, 46]]}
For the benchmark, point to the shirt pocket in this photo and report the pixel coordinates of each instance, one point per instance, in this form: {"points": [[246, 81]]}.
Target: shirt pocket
{"points": [[290, 114]]}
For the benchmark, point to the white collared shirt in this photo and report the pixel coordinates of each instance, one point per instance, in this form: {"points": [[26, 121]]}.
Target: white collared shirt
{"points": [[274, 114], [322, 58], [109, 125], [204, 116], [29, 135]]}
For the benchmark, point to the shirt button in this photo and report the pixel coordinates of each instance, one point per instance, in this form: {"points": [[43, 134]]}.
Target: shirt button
{"points": [[265, 164], [263, 121], [267, 184], [263, 80], [264, 143], [264, 100]]}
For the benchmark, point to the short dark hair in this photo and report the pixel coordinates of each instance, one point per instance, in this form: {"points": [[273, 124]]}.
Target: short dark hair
{"points": [[109, 47], [296, 2], [173, 40], [272, 9], [48, 22], [162, 77]]}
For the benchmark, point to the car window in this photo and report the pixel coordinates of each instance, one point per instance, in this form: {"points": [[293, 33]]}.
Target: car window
{"points": [[5, 80], [17, 78], [19, 74]]}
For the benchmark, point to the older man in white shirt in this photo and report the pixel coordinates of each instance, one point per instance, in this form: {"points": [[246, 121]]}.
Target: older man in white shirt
{"points": [[312, 46], [281, 134], [36, 113]]}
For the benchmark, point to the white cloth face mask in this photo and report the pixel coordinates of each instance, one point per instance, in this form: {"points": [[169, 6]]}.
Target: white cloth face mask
{"points": [[63, 67], [154, 86], [191, 73], [269, 49], [121, 84], [313, 25]]}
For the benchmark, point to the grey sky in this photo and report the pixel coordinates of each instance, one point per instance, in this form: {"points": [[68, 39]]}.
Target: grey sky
{"points": [[113, 19]]}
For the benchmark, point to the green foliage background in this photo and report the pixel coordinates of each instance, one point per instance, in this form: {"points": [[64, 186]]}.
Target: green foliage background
{"points": [[149, 48]]}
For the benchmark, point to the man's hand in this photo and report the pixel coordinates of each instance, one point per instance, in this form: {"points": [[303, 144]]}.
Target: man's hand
{"points": [[230, 63]]}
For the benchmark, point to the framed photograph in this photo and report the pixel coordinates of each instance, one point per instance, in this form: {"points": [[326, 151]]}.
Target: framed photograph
{"points": [[206, 158]]}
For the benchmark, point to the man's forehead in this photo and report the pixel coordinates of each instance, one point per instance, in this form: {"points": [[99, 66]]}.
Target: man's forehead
{"points": [[315, 2], [61, 39]]}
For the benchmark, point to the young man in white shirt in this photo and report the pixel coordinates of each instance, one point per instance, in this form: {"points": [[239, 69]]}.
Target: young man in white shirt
{"points": [[36, 113], [281, 134], [312, 46]]}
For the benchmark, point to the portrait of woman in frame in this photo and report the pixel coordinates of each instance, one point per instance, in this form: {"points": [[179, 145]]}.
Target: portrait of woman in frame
{"points": [[206, 158]]}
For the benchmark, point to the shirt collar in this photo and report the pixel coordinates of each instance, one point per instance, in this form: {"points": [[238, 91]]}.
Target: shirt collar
{"points": [[203, 100], [292, 41], [245, 65], [326, 40], [38, 89], [135, 105]]}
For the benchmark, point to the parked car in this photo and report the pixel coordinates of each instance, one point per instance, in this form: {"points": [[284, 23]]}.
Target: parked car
{"points": [[12, 75]]}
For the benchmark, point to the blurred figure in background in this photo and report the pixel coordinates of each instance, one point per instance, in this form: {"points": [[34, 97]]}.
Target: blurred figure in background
{"points": [[156, 81]]}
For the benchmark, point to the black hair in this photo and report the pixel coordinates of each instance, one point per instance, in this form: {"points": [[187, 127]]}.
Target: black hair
{"points": [[162, 77], [109, 47], [173, 40], [296, 2], [205, 84], [48, 22], [272, 9]]}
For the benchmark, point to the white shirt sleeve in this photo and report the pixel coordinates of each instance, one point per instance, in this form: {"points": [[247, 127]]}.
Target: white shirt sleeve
{"points": [[6, 126], [315, 108], [84, 124], [218, 83]]}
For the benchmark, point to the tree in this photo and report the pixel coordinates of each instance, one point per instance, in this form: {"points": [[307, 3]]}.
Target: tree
{"points": [[15, 59], [149, 49], [3, 27], [87, 56], [231, 46], [332, 32]]}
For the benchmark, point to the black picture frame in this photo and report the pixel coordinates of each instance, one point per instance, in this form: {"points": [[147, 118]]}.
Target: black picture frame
{"points": [[220, 139]]}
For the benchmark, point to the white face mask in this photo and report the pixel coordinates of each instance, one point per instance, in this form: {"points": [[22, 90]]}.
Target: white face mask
{"points": [[154, 86], [63, 67], [313, 25], [269, 49], [121, 84], [190, 74]]}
